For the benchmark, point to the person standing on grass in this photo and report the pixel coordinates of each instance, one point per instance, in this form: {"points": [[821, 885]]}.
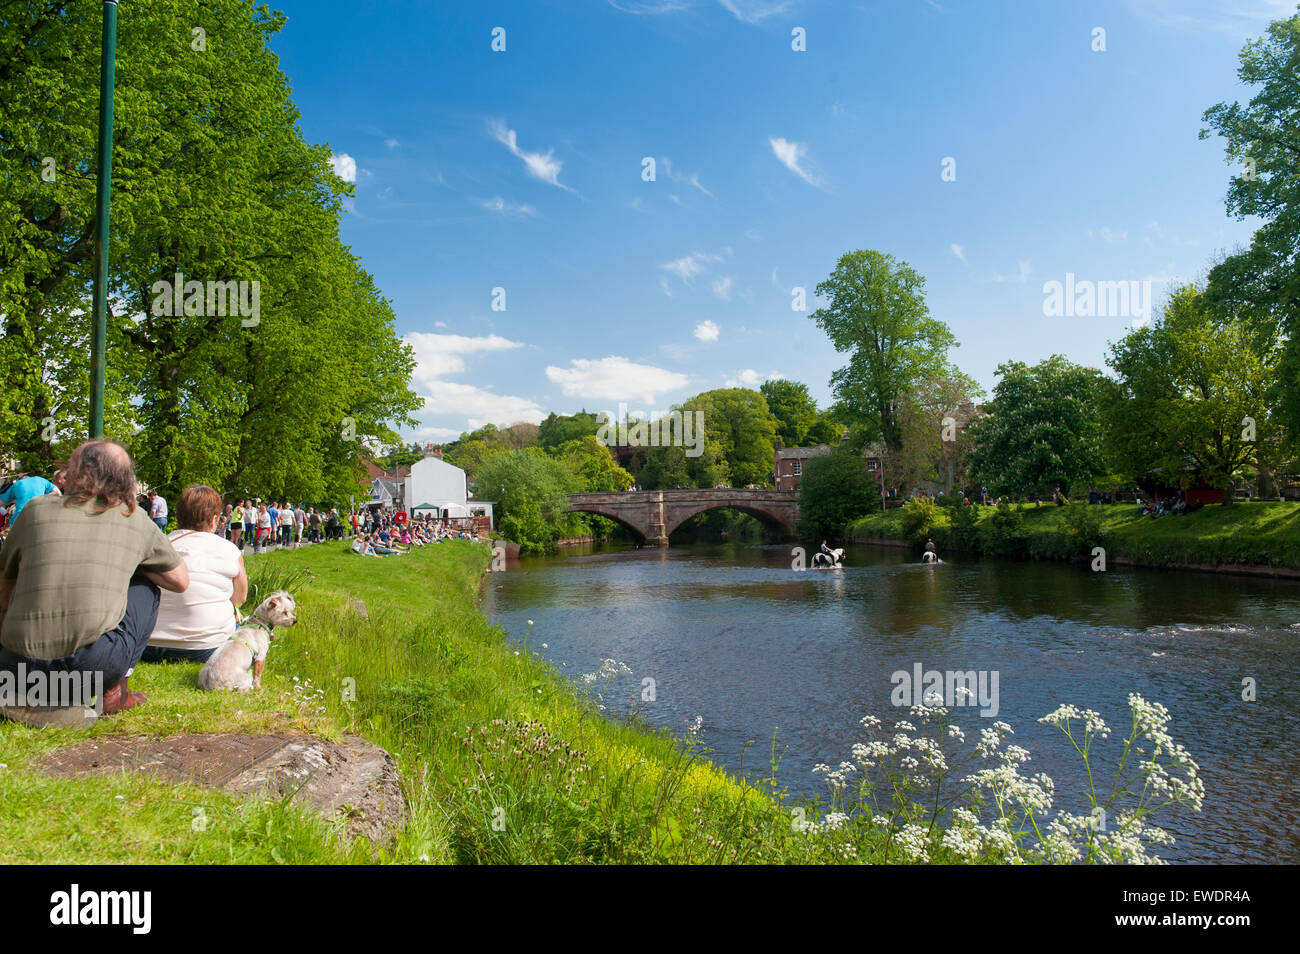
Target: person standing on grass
{"points": [[158, 510], [237, 524], [79, 584], [263, 527], [19, 492], [286, 524], [191, 626]]}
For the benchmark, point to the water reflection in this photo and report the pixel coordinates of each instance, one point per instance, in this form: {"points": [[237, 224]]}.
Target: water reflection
{"points": [[734, 635]]}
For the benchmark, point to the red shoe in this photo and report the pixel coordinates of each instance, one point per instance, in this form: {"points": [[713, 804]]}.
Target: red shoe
{"points": [[120, 698]]}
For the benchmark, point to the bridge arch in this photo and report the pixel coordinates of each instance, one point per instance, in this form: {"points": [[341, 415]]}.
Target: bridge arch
{"points": [[764, 515], [610, 513], [654, 514]]}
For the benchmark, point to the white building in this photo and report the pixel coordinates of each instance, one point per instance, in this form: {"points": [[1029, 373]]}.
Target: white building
{"points": [[437, 487]]}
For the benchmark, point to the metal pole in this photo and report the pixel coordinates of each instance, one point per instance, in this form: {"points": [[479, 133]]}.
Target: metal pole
{"points": [[103, 191]]}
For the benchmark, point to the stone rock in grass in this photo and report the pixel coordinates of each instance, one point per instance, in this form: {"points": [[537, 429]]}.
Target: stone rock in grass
{"points": [[352, 779]]}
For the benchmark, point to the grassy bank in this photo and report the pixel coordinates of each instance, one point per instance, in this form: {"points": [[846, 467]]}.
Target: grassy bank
{"points": [[1265, 535], [501, 760]]}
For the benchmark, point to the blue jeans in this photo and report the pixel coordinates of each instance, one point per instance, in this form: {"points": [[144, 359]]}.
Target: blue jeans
{"points": [[161, 523], [168, 654], [116, 652]]}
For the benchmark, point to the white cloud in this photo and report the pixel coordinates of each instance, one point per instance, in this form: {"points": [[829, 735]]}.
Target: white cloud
{"points": [[615, 378], [542, 166], [479, 405], [691, 180], [753, 234], [1107, 234], [345, 167], [791, 155], [958, 251], [755, 11], [651, 7], [689, 266], [439, 355], [663, 284], [722, 287], [435, 434], [1022, 273], [749, 378], [510, 209], [391, 143], [707, 331]]}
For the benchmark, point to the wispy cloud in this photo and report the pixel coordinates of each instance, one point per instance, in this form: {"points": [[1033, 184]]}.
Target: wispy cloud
{"points": [[508, 209], [391, 143], [439, 355], [688, 267], [793, 156], [707, 331], [755, 11], [615, 378], [958, 251], [1021, 275], [692, 180], [749, 378], [540, 165], [1107, 234], [1213, 16], [650, 7], [722, 287]]}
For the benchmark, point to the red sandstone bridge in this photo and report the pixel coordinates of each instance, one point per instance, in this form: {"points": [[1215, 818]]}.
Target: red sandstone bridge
{"points": [[656, 513]]}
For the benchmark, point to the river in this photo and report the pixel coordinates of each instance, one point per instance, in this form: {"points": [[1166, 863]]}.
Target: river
{"points": [[735, 636]]}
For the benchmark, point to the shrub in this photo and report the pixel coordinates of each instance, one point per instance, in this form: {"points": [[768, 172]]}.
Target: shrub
{"points": [[965, 527], [1082, 528], [1006, 534], [917, 521]]}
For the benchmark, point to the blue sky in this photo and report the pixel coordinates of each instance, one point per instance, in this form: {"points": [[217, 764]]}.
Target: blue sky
{"points": [[522, 170]]}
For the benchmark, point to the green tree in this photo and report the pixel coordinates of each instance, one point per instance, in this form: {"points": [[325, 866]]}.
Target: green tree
{"points": [[1262, 138], [529, 488], [835, 490], [1043, 428], [593, 465], [876, 312], [1194, 394], [794, 409], [557, 430]]}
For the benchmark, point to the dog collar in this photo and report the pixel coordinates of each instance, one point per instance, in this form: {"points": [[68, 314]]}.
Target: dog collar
{"points": [[253, 621]]}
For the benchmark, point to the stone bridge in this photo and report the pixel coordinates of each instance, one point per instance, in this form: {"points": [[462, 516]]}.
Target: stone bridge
{"points": [[656, 513]]}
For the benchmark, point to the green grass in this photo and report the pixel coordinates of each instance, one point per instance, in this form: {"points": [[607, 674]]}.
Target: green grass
{"points": [[1258, 534], [501, 759]]}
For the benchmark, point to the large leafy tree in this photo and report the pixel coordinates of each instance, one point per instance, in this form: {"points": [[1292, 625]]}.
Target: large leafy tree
{"points": [[593, 465], [1262, 138], [1194, 392], [557, 429], [876, 312], [935, 438], [1043, 428], [794, 409], [213, 180], [529, 489]]}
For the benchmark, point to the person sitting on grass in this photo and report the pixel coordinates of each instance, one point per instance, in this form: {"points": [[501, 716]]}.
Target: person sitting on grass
{"points": [[382, 548], [79, 582], [195, 624], [361, 546]]}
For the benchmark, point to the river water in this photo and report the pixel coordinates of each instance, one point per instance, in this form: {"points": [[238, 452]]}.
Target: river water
{"points": [[735, 636]]}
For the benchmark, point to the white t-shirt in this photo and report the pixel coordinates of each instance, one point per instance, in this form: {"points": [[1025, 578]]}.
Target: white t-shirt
{"points": [[202, 617]]}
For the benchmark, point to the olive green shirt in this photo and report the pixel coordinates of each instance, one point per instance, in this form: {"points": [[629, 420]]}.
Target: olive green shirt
{"points": [[72, 568]]}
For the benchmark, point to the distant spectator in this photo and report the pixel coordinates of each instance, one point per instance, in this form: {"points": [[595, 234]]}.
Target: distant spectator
{"points": [[19, 492], [158, 510]]}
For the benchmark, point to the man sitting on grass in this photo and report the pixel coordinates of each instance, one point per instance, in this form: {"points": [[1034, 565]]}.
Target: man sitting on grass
{"points": [[79, 579]]}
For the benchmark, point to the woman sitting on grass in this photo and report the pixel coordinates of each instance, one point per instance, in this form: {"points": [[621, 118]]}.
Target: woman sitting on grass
{"points": [[192, 625], [362, 547]]}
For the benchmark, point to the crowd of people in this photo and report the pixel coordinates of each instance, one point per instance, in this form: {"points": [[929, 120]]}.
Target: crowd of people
{"points": [[91, 582]]}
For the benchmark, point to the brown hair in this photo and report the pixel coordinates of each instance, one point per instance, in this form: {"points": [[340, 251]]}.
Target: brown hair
{"points": [[199, 503], [101, 471]]}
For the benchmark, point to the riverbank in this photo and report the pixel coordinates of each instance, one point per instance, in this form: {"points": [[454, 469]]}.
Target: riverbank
{"points": [[501, 759], [1251, 538]]}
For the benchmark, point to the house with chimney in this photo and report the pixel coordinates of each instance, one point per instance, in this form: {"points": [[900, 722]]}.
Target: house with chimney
{"points": [[436, 488]]}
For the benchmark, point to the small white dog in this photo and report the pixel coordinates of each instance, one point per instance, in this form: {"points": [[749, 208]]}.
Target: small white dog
{"points": [[238, 664]]}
